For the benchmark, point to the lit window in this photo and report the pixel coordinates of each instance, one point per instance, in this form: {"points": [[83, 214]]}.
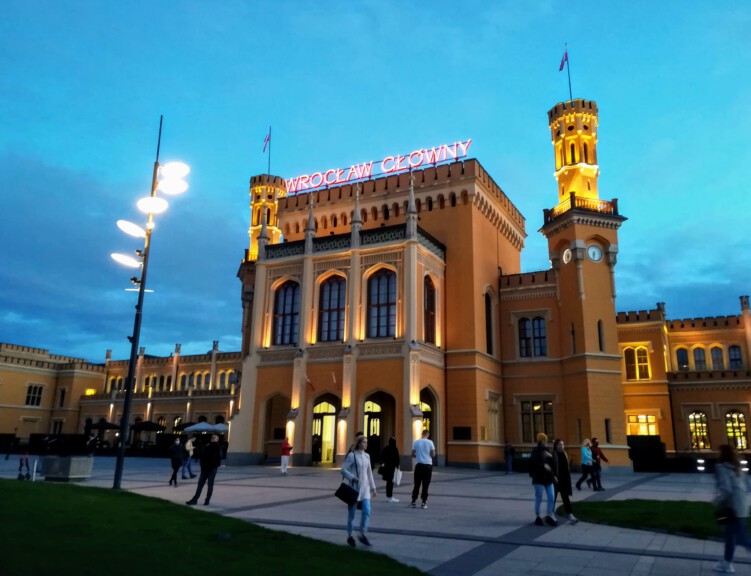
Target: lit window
{"points": [[697, 425], [286, 314], [34, 395], [734, 356], [637, 363], [735, 426], [537, 416], [681, 356], [89, 392], [382, 304], [700, 359], [642, 425], [717, 360], [331, 310], [429, 309]]}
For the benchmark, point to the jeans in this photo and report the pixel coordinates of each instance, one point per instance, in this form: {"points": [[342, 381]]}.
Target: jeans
{"points": [[186, 466], [735, 533], [423, 475], [550, 493], [210, 475], [285, 463], [509, 465], [364, 516]]}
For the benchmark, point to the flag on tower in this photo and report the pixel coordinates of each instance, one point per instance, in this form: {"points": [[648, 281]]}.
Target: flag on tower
{"points": [[563, 60], [266, 140]]}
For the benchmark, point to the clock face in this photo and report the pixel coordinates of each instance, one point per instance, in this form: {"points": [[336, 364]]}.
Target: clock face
{"points": [[566, 256], [594, 252]]}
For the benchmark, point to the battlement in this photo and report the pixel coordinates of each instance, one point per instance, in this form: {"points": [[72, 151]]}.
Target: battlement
{"points": [[538, 278], [453, 172], [577, 106], [710, 322], [268, 180], [655, 315], [40, 354]]}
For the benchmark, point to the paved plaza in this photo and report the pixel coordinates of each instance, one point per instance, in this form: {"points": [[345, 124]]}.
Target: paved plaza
{"points": [[477, 523]]}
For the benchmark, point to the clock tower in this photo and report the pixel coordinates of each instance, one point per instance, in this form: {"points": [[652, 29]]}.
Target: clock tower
{"points": [[582, 234]]}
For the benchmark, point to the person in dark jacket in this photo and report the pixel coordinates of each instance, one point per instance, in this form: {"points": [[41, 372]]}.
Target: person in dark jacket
{"points": [[211, 459], [562, 472], [390, 462], [597, 459], [176, 454], [541, 471]]}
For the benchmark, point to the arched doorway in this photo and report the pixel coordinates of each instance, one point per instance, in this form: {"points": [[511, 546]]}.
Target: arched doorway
{"points": [[277, 408], [379, 418], [427, 406], [323, 444]]}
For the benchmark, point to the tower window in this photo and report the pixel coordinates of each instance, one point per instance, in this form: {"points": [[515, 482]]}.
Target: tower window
{"points": [[573, 154], [586, 155]]}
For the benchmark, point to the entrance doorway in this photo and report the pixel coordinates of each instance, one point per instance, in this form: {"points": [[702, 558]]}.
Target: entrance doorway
{"points": [[323, 445], [427, 406], [277, 408], [379, 417]]}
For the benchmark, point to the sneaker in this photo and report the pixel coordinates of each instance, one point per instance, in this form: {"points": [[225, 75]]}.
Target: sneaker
{"points": [[550, 521], [538, 521], [424, 505], [351, 542], [364, 539], [725, 567], [392, 499], [572, 519], [413, 505], [192, 502]]}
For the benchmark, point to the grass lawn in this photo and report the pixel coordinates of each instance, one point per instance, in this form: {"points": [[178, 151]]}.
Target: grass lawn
{"points": [[695, 519], [58, 529]]}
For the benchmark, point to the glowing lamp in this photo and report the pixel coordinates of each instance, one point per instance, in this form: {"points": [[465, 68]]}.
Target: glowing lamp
{"points": [[125, 260], [172, 186], [131, 229], [175, 170], [152, 205]]}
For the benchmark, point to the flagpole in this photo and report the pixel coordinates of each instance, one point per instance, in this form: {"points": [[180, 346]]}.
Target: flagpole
{"points": [[568, 71], [269, 165]]}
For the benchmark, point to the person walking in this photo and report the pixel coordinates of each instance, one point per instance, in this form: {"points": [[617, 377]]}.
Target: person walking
{"points": [[390, 463], [424, 451], [286, 451], [358, 471], [597, 458], [586, 464], [508, 457], [176, 453], [189, 446], [731, 502], [211, 459], [562, 472], [541, 471]]}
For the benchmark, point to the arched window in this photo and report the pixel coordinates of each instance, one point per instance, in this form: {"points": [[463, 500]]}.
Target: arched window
{"points": [[717, 360], [385, 212], [199, 380], [734, 357], [488, 324], [539, 337], [525, 338], [207, 380], [735, 426], [183, 381], [681, 356], [382, 304], [452, 199], [429, 309], [601, 335], [586, 155], [429, 201], [334, 221], [637, 363], [697, 426], [332, 304], [222, 380], [286, 314], [573, 153], [700, 359]]}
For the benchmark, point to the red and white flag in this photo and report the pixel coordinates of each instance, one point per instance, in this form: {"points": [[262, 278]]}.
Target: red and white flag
{"points": [[267, 140], [564, 59]]}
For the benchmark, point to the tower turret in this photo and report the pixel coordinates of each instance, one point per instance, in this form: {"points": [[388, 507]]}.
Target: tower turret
{"points": [[573, 127], [265, 192]]}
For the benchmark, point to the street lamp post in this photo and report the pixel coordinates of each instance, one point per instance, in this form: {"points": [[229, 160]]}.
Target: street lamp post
{"points": [[171, 183]]}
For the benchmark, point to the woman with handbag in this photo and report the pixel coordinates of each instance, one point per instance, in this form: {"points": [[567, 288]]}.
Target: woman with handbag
{"points": [[732, 508], [358, 471], [389, 465]]}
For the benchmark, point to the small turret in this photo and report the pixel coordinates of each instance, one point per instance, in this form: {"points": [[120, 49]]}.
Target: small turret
{"points": [[265, 192]]}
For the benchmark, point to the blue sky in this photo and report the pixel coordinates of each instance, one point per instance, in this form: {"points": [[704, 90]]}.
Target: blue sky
{"points": [[84, 84]]}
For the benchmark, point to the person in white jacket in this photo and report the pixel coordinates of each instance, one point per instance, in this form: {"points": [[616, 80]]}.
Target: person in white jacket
{"points": [[358, 471]]}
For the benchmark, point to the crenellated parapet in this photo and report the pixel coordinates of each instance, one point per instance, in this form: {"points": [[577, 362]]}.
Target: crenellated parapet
{"points": [[633, 317], [539, 278], [711, 322]]}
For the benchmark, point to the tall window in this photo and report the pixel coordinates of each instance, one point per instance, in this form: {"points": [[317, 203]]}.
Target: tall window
{"points": [[734, 357], [429, 309], [600, 329], [682, 356], [183, 381], [493, 417], [697, 426], [637, 363], [525, 338], [537, 416], [735, 426], [286, 314], [382, 304], [539, 337], [700, 359], [488, 324], [642, 425], [331, 310], [34, 395], [717, 360]]}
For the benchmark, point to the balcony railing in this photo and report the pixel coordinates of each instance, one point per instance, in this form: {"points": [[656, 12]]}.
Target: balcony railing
{"points": [[573, 202]]}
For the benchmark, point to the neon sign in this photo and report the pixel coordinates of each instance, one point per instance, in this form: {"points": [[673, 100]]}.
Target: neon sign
{"points": [[389, 165]]}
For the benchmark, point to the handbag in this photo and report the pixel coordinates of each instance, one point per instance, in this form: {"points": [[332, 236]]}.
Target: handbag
{"points": [[381, 470], [397, 477], [346, 494]]}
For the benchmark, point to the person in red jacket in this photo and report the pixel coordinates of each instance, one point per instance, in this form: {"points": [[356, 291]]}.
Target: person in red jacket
{"points": [[597, 458], [286, 450]]}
